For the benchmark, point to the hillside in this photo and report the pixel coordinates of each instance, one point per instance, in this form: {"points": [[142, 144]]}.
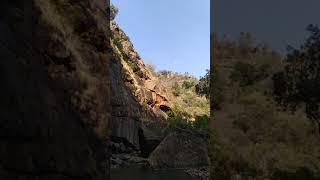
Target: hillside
{"points": [[253, 137], [181, 90]]}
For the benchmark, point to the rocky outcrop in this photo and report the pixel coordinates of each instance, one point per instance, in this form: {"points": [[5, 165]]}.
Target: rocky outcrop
{"points": [[181, 149], [138, 97], [55, 90]]}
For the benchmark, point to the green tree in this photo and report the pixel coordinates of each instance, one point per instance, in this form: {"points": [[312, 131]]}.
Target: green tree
{"points": [[217, 89], [187, 84], [203, 86], [247, 74], [299, 83]]}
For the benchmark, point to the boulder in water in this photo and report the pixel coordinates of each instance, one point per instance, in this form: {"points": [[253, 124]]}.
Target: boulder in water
{"points": [[180, 149]]}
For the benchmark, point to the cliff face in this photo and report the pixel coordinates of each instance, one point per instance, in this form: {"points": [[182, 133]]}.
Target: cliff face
{"points": [[55, 92], [138, 99]]}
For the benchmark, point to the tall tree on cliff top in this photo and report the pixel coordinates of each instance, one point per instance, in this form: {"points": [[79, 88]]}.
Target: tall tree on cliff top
{"points": [[299, 83]]}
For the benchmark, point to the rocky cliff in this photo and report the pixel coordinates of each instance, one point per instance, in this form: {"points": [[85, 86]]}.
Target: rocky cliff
{"points": [[55, 90], [138, 99], [70, 79], [141, 100]]}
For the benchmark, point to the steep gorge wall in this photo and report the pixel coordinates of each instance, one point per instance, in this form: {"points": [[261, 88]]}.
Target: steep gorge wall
{"points": [[55, 92], [138, 98]]}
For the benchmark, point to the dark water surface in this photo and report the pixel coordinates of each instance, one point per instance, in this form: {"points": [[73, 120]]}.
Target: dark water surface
{"points": [[139, 174]]}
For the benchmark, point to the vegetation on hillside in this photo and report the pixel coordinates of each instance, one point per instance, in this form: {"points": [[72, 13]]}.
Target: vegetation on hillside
{"points": [[181, 89], [189, 110], [253, 137], [120, 41]]}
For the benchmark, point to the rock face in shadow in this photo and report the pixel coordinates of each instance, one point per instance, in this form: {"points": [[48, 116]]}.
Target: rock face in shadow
{"points": [[180, 149], [126, 110], [55, 90]]}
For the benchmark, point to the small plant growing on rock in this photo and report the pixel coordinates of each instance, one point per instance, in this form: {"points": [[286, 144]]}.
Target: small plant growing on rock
{"points": [[113, 12]]}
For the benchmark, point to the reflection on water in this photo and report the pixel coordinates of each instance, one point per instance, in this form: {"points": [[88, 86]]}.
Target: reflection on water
{"points": [[139, 174]]}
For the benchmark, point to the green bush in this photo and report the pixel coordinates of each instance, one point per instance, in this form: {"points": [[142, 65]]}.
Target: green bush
{"points": [[217, 89], [176, 89], [178, 118], [201, 122], [247, 74], [203, 86], [177, 122], [187, 84]]}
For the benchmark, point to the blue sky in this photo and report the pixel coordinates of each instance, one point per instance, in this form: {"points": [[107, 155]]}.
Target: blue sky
{"points": [[276, 22], [170, 34]]}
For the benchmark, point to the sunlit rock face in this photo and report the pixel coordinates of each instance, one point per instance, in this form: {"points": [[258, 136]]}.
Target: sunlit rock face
{"points": [[138, 97], [55, 93]]}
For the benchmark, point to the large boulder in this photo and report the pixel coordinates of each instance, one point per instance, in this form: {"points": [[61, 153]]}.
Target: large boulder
{"points": [[180, 149]]}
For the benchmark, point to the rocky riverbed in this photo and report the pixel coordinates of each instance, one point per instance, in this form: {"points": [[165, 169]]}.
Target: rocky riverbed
{"points": [[181, 150]]}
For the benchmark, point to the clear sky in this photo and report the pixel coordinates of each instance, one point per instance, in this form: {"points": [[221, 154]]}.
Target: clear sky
{"points": [[277, 22], [170, 34]]}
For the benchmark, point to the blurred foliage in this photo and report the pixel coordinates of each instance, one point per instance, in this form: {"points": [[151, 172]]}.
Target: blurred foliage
{"points": [[254, 138], [187, 84], [265, 143], [217, 89], [247, 74], [299, 82]]}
